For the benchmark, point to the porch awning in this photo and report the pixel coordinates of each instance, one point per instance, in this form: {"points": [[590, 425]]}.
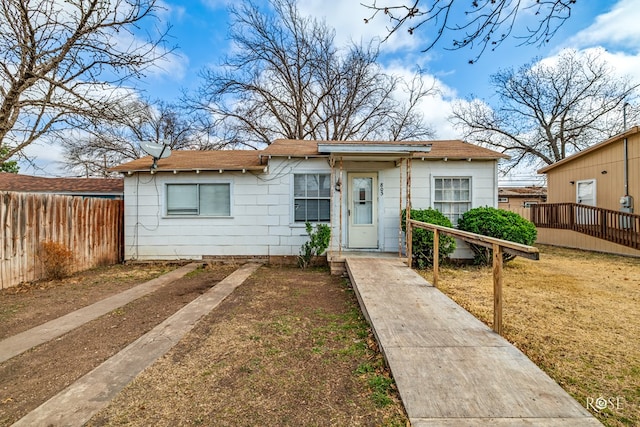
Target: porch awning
{"points": [[370, 148]]}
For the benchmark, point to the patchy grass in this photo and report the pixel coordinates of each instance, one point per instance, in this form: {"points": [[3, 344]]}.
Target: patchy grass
{"points": [[288, 347], [576, 314]]}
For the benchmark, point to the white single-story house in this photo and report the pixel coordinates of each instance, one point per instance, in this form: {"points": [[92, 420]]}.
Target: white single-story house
{"points": [[201, 204]]}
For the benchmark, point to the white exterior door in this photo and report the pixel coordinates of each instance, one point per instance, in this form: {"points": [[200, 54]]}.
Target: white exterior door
{"points": [[586, 195], [362, 211], [586, 192]]}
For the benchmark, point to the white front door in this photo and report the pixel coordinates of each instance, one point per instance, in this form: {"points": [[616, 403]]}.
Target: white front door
{"points": [[362, 211]]}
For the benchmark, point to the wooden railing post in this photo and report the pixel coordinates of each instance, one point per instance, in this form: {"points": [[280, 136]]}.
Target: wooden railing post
{"points": [[497, 288], [499, 246], [409, 238], [436, 256]]}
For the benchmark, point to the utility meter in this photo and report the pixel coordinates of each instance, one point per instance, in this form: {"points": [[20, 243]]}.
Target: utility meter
{"points": [[626, 202]]}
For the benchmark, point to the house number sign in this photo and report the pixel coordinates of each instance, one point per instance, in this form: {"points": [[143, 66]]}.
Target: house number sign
{"points": [[381, 189]]}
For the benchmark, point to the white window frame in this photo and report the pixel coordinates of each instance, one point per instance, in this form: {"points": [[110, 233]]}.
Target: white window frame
{"points": [[197, 214], [295, 222], [452, 215]]}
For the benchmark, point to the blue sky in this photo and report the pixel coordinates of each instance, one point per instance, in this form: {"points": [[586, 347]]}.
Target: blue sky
{"points": [[199, 28]]}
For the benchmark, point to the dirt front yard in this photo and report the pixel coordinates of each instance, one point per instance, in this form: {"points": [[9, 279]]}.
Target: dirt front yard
{"points": [[288, 347]]}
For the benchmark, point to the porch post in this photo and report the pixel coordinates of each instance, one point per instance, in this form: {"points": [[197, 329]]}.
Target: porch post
{"points": [[408, 215], [400, 211], [332, 202], [342, 187]]}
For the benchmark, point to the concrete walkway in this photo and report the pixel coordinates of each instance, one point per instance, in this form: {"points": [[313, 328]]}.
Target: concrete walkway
{"points": [[17, 344], [75, 405], [450, 368]]}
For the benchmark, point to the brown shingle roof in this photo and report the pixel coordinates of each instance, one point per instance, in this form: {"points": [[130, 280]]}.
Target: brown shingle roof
{"points": [[522, 191], [292, 147], [456, 149], [451, 149], [38, 184], [253, 160], [190, 160]]}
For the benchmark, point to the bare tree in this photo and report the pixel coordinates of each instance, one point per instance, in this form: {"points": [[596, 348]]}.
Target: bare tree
{"points": [[94, 150], [286, 79], [61, 63], [485, 23], [548, 110]]}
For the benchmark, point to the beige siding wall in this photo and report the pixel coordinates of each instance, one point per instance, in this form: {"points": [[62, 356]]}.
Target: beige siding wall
{"points": [[609, 185], [572, 239], [515, 204], [522, 211]]}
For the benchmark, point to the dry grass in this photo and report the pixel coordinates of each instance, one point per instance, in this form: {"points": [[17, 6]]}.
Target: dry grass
{"points": [[288, 347], [576, 314]]}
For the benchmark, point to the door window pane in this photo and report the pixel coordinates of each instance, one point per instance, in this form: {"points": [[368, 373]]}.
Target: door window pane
{"points": [[362, 200]]}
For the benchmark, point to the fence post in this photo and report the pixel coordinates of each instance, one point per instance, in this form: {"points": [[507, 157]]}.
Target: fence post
{"points": [[436, 256], [497, 288]]}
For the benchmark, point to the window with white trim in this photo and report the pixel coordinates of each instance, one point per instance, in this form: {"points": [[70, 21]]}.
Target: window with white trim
{"points": [[199, 199], [312, 197], [452, 197]]}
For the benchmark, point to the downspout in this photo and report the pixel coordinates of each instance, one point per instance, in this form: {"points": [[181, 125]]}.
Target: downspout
{"points": [[626, 201], [626, 151]]}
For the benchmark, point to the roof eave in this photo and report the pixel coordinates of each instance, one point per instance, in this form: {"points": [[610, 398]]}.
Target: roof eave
{"points": [[194, 169], [619, 137]]}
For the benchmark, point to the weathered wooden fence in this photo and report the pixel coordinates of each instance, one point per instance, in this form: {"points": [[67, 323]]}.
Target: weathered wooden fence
{"points": [[92, 228]]}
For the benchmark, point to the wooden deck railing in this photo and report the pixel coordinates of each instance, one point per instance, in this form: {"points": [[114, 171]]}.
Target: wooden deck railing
{"points": [[614, 226], [499, 246]]}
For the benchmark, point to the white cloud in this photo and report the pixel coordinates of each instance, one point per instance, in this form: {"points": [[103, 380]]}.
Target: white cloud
{"points": [[624, 63], [436, 108], [348, 19], [617, 28], [44, 160]]}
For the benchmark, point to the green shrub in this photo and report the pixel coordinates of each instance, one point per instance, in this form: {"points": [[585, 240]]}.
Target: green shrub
{"points": [[422, 241], [500, 224], [317, 244], [56, 259]]}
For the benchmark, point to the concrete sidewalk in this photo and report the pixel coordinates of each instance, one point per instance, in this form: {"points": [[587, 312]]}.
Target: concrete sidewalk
{"points": [[16, 344], [449, 367], [75, 405]]}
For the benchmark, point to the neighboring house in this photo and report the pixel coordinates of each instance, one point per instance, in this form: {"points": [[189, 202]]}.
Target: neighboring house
{"points": [[198, 204], [595, 191], [109, 188], [516, 198], [596, 176]]}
